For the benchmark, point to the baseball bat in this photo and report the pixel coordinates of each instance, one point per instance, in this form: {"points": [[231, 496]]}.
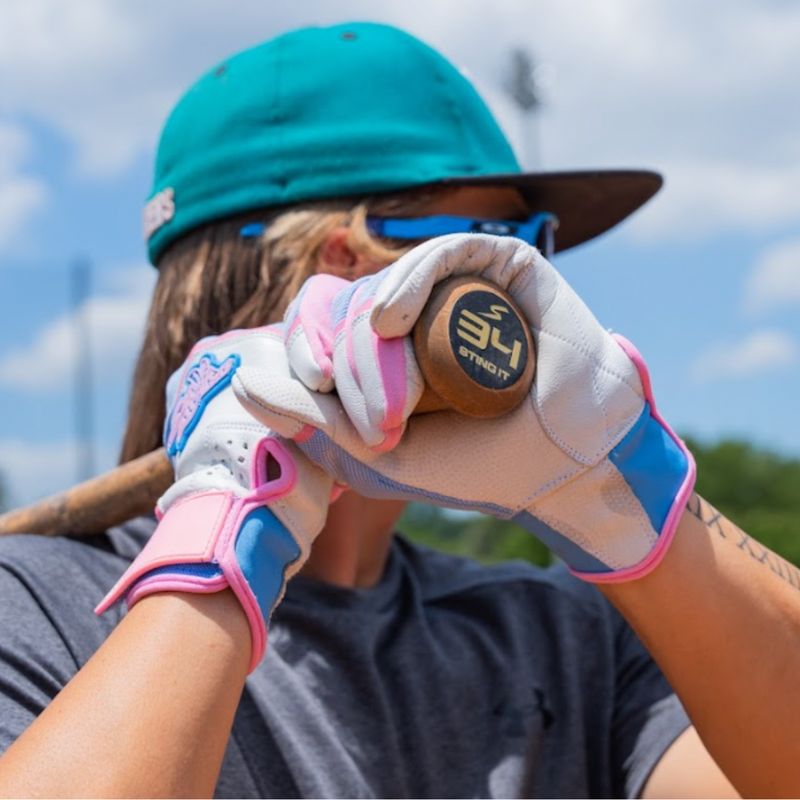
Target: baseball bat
{"points": [[475, 352]]}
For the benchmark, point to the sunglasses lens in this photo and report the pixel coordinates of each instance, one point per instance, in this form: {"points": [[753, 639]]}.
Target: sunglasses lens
{"points": [[495, 227], [538, 230]]}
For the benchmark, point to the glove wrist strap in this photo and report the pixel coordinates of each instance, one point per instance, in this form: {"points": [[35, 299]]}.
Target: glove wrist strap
{"points": [[207, 542]]}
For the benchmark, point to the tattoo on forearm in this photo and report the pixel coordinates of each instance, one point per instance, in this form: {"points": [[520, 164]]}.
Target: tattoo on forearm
{"points": [[724, 528]]}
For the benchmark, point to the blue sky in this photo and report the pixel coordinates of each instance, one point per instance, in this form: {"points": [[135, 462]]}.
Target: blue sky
{"points": [[705, 279]]}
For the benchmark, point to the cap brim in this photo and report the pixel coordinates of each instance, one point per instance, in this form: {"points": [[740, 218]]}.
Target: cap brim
{"points": [[586, 203]]}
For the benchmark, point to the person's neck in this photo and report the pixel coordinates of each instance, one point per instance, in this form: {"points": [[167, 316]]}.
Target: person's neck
{"points": [[353, 546]]}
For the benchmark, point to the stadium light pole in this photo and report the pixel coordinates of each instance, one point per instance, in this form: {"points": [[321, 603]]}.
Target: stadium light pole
{"points": [[81, 273], [522, 87]]}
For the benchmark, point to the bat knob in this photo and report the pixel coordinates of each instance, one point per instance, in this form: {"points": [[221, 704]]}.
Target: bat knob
{"points": [[474, 349]]}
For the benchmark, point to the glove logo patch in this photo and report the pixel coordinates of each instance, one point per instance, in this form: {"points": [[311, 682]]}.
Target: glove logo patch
{"points": [[488, 341], [203, 381]]}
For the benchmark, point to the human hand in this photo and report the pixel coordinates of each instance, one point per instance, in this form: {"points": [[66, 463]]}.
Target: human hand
{"points": [[246, 505], [585, 463], [364, 364]]}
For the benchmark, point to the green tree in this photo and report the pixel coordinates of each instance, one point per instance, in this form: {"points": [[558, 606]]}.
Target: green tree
{"points": [[756, 488], [470, 534]]}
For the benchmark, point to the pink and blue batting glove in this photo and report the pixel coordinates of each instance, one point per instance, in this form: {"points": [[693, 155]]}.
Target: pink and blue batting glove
{"points": [[246, 504], [585, 463], [328, 332]]}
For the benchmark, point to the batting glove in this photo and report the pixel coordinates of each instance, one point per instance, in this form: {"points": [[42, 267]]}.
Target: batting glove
{"points": [[585, 463], [226, 522], [328, 333]]}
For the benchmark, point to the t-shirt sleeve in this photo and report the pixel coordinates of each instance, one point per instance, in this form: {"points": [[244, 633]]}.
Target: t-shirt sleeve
{"points": [[35, 662], [648, 716]]}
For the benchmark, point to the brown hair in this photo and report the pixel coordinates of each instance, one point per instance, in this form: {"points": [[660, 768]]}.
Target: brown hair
{"points": [[214, 280]]}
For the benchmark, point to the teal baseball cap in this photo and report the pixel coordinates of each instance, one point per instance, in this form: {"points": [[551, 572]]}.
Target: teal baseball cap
{"points": [[348, 111]]}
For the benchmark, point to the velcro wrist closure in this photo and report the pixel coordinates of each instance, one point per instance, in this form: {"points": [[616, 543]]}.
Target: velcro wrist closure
{"points": [[187, 534]]}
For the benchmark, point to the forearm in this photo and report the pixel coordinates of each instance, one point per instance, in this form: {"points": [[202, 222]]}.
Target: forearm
{"points": [[151, 712], [721, 615]]}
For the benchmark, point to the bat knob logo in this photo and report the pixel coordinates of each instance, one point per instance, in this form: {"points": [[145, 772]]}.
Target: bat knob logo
{"points": [[488, 340]]}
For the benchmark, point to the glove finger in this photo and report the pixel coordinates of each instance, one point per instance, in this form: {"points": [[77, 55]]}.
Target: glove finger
{"points": [[284, 405], [317, 422], [293, 412], [308, 331], [289, 409], [406, 286], [377, 379], [314, 371]]}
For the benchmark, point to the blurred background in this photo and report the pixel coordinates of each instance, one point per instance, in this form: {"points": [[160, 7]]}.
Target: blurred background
{"points": [[705, 279]]}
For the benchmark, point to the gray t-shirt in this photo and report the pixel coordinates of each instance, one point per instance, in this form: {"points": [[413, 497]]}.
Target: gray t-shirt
{"points": [[448, 679]]}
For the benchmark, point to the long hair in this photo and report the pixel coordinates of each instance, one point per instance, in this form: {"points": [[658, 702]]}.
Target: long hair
{"points": [[214, 280]]}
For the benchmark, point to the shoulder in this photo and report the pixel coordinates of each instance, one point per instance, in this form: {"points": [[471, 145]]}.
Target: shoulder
{"points": [[57, 582], [49, 588], [41, 561]]}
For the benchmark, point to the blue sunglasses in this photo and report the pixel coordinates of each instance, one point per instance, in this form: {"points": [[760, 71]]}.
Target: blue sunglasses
{"points": [[538, 230]]}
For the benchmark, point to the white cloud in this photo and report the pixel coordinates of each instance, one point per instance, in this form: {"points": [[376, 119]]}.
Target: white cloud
{"points": [[673, 85], [701, 198], [14, 147], [21, 195], [20, 198], [115, 321], [759, 353], [774, 280], [33, 470], [105, 75], [72, 66]]}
